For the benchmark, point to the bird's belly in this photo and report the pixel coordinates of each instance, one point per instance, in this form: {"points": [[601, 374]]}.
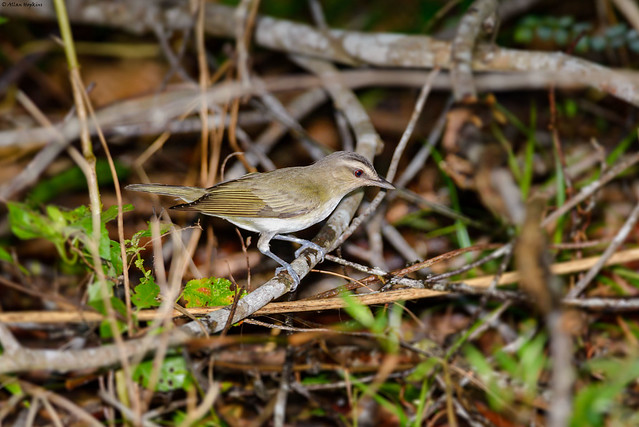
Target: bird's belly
{"points": [[272, 225], [282, 225]]}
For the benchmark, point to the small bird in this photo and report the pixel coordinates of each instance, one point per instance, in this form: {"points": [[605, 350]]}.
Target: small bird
{"points": [[280, 201]]}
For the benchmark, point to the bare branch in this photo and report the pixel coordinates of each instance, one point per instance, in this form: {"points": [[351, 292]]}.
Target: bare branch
{"points": [[461, 51], [381, 49]]}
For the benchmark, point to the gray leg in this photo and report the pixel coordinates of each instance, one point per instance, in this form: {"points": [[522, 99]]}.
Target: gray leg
{"points": [[264, 247], [305, 244]]}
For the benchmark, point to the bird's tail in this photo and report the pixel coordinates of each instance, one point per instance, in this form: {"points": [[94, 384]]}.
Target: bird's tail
{"points": [[188, 194]]}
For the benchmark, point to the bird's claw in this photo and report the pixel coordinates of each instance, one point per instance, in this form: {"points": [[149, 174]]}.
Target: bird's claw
{"points": [[292, 273], [308, 244]]}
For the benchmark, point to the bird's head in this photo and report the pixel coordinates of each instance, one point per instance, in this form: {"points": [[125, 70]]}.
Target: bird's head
{"points": [[347, 171]]}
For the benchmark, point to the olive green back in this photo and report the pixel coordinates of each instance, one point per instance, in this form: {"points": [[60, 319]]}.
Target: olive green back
{"points": [[263, 195]]}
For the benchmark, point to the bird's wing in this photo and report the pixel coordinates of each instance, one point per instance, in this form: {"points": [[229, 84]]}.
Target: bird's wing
{"points": [[256, 199]]}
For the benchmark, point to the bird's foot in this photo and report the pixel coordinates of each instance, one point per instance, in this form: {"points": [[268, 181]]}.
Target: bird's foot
{"points": [[308, 244], [289, 269]]}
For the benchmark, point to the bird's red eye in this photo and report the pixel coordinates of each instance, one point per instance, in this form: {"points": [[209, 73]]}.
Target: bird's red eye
{"points": [[358, 172]]}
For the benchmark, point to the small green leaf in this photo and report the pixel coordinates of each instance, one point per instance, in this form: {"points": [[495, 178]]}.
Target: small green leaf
{"points": [[544, 33], [59, 219], [566, 21], [616, 31], [594, 401], [61, 227], [571, 108], [358, 311], [424, 369], [598, 43], [479, 362], [583, 44], [145, 295], [12, 386], [105, 328], [25, 224], [561, 37], [523, 35], [73, 179], [173, 375], [208, 292], [95, 295], [115, 259], [5, 256], [112, 212]]}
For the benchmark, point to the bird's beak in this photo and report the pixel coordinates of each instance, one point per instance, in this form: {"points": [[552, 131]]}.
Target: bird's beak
{"points": [[381, 182]]}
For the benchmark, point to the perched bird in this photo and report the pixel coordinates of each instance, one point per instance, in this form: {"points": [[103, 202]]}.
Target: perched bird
{"points": [[281, 201]]}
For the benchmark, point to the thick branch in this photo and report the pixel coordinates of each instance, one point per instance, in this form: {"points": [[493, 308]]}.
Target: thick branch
{"points": [[381, 49], [461, 55]]}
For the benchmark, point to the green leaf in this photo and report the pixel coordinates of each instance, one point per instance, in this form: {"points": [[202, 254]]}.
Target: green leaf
{"points": [[73, 179], [105, 325], [115, 259], [164, 228], [392, 407], [322, 378], [523, 35], [583, 44], [61, 227], [358, 311], [622, 147], [561, 37], [173, 375], [594, 401], [112, 212], [616, 31], [208, 292], [419, 220], [5, 256], [105, 328], [598, 43], [498, 396], [95, 296], [58, 219], [104, 247], [133, 246], [544, 33], [424, 369], [566, 21], [532, 360], [145, 295], [25, 224], [571, 108], [479, 362], [12, 386]]}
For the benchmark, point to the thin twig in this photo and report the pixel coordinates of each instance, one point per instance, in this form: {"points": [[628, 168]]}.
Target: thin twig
{"points": [[126, 411], [390, 176], [591, 188], [55, 398], [619, 238], [417, 163]]}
